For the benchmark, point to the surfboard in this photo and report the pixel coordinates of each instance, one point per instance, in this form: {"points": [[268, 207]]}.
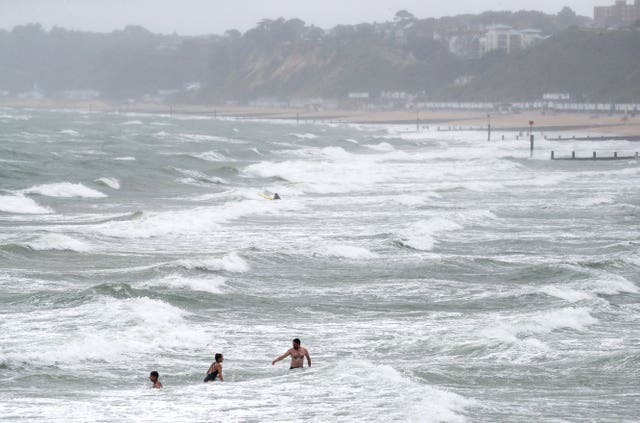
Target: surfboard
{"points": [[268, 197]]}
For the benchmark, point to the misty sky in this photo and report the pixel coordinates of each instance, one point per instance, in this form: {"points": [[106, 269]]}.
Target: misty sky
{"points": [[194, 17]]}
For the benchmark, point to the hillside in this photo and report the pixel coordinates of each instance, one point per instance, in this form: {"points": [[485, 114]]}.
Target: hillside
{"points": [[287, 59], [590, 65]]}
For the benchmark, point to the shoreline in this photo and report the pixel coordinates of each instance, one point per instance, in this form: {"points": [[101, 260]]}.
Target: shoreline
{"points": [[446, 120]]}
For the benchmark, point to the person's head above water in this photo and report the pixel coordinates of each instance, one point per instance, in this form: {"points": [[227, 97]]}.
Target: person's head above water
{"points": [[219, 358], [296, 343], [153, 376]]}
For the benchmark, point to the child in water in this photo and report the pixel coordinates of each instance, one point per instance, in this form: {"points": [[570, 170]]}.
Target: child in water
{"points": [[153, 377], [215, 370]]}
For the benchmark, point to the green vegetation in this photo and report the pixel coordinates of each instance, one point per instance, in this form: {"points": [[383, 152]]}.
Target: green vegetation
{"points": [[287, 59]]}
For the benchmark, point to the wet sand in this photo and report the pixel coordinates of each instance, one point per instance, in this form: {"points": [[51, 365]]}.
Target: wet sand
{"points": [[590, 123]]}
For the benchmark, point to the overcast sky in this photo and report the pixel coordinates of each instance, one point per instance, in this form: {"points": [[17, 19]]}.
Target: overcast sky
{"points": [[194, 17]]}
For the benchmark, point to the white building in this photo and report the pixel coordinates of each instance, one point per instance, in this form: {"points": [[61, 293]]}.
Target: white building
{"points": [[507, 39]]}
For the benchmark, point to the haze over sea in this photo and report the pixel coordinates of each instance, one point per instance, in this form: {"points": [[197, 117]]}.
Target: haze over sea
{"points": [[433, 276]]}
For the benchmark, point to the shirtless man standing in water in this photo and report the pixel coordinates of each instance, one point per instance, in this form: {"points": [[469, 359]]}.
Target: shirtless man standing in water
{"points": [[297, 353]]}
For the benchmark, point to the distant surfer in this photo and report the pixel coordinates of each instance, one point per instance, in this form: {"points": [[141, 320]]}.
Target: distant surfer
{"points": [[276, 196], [215, 370], [154, 377], [297, 353]]}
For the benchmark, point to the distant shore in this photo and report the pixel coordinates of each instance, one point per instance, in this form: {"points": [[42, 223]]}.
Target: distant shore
{"points": [[589, 123]]}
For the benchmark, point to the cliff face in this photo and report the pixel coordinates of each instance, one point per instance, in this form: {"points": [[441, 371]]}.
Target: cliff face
{"points": [[288, 60], [591, 65], [289, 71]]}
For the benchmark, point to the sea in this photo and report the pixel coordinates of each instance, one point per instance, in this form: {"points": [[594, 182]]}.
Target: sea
{"points": [[433, 276]]}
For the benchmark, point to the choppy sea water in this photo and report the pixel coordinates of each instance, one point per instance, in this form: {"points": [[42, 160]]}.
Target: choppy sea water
{"points": [[433, 276]]}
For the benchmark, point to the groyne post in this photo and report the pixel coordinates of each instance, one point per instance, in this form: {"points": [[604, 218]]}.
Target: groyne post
{"points": [[552, 154], [531, 145], [594, 154]]}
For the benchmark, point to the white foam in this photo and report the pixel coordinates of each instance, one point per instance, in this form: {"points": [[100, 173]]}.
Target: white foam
{"points": [[574, 318], [20, 204], [229, 263], [132, 122], [421, 403], [596, 201], [351, 140], [69, 132], [416, 199], [110, 182], [15, 117], [64, 189], [125, 159], [193, 221], [306, 136], [212, 284], [108, 329], [58, 242], [567, 294], [327, 176], [540, 323], [421, 235], [612, 284], [383, 146], [336, 153], [203, 137], [212, 156], [347, 251]]}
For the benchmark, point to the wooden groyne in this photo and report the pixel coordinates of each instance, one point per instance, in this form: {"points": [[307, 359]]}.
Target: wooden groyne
{"points": [[599, 138], [595, 156]]}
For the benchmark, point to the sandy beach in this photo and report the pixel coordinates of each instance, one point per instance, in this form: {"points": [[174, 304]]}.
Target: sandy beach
{"points": [[589, 123]]}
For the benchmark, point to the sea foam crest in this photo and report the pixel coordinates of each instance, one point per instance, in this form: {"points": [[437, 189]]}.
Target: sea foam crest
{"points": [[348, 252], [612, 284], [567, 294], [231, 262], [572, 318], [196, 220], [112, 183], [64, 189], [57, 242], [436, 405], [108, 329], [421, 235], [416, 199], [22, 205], [577, 318], [212, 284], [383, 146], [306, 136], [69, 132], [327, 176], [212, 156]]}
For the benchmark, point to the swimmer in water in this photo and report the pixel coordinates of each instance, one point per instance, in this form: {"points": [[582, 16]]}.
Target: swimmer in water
{"points": [[154, 378], [215, 370], [297, 353]]}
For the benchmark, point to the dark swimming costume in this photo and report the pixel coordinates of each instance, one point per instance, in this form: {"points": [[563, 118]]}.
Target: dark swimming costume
{"points": [[211, 376]]}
